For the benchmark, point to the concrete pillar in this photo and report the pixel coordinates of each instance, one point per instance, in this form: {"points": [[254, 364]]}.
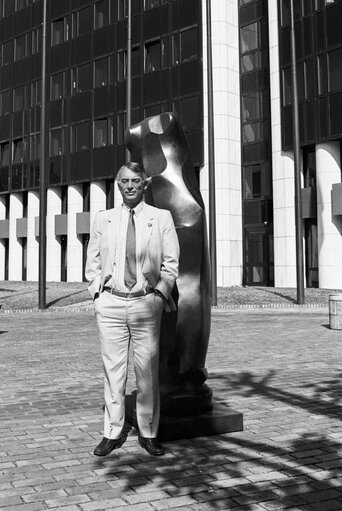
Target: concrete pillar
{"points": [[97, 199], [329, 228], [15, 248], [226, 90], [32, 240], [74, 251], [283, 172], [2, 241], [53, 248]]}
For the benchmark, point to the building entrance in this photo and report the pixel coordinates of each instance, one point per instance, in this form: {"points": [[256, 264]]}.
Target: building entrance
{"points": [[259, 264]]}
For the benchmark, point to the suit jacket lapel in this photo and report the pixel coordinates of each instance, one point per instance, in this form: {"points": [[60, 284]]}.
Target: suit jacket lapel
{"points": [[113, 222], [147, 227]]}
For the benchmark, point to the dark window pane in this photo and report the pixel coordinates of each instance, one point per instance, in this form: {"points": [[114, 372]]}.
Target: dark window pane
{"points": [[56, 142], [101, 14], [190, 112], [20, 47], [251, 106], [322, 73], [152, 56], [35, 147], [254, 177], [285, 13], [189, 45], [57, 32], [309, 79], [287, 86], [7, 53], [334, 17], [249, 37], [4, 154], [36, 92], [6, 103], [81, 79], [57, 86], [175, 49], [101, 72], [136, 61], [335, 70], [252, 132], [83, 21], [36, 40], [102, 136], [152, 4], [122, 58], [18, 151], [19, 99], [8, 7], [80, 137], [307, 28], [250, 62], [122, 9], [20, 4]]}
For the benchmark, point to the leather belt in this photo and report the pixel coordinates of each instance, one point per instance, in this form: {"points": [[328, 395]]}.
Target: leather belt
{"points": [[135, 294]]}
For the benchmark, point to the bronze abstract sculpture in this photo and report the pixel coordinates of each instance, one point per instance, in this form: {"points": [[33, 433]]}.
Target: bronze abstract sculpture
{"points": [[160, 144]]}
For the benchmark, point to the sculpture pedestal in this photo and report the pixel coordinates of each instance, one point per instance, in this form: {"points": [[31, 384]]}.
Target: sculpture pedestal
{"points": [[221, 419]]}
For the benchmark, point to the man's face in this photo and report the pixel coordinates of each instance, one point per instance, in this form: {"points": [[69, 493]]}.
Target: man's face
{"points": [[131, 186]]}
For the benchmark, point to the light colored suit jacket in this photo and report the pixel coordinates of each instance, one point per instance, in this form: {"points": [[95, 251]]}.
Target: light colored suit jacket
{"points": [[159, 245]]}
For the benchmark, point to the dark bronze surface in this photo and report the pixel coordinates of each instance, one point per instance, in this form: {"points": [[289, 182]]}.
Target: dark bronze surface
{"points": [[159, 143]]}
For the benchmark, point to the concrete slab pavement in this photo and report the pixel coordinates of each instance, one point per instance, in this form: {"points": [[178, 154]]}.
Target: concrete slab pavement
{"points": [[280, 367]]}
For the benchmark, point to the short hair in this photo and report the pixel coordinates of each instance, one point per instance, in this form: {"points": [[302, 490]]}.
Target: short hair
{"points": [[134, 167]]}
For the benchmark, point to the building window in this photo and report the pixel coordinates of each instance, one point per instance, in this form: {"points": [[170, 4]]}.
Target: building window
{"points": [[8, 7], [21, 4], [7, 53], [185, 46], [58, 31], [103, 132], [36, 40], [122, 9], [81, 22], [35, 147], [255, 182], [57, 87], [18, 151], [101, 14], [122, 63], [80, 77], [80, 137], [251, 62], [335, 70], [101, 77], [249, 37], [19, 99], [20, 47], [36, 93], [152, 4], [56, 142], [155, 55], [6, 102], [252, 132], [4, 154], [251, 106]]}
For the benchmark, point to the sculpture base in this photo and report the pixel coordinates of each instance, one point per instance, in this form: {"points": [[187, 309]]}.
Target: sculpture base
{"points": [[195, 401], [221, 419]]}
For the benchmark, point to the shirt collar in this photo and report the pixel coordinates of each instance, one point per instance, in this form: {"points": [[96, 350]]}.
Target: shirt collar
{"points": [[137, 208]]}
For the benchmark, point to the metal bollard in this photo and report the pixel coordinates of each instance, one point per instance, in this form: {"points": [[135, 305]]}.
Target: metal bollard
{"points": [[335, 312]]}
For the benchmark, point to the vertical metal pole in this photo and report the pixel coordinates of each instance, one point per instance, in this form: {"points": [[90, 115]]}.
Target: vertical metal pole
{"points": [[129, 71], [211, 162], [42, 178], [297, 168]]}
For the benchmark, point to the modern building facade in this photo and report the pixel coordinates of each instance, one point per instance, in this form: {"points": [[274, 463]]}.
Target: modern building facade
{"points": [[254, 166]]}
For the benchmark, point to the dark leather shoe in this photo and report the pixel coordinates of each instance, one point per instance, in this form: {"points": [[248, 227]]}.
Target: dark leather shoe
{"points": [[107, 445], [151, 445]]}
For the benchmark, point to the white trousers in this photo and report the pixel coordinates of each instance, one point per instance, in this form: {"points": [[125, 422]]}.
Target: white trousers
{"points": [[121, 321]]}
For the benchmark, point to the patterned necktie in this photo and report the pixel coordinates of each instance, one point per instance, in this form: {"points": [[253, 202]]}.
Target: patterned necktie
{"points": [[131, 264]]}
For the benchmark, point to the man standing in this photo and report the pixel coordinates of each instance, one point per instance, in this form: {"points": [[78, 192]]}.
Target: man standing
{"points": [[132, 266]]}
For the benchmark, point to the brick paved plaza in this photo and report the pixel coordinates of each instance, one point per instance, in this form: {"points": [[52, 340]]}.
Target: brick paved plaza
{"points": [[280, 367]]}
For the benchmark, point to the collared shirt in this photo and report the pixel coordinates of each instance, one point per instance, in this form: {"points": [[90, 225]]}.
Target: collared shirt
{"points": [[117, 281]]}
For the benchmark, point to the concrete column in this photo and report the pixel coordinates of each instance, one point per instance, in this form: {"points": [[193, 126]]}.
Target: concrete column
{"points": [[53, 248], [32, 240], [283, 172], [226, 90], [74, 252], [328, 172], [97, 199], [15, 248], [2, 241]]}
